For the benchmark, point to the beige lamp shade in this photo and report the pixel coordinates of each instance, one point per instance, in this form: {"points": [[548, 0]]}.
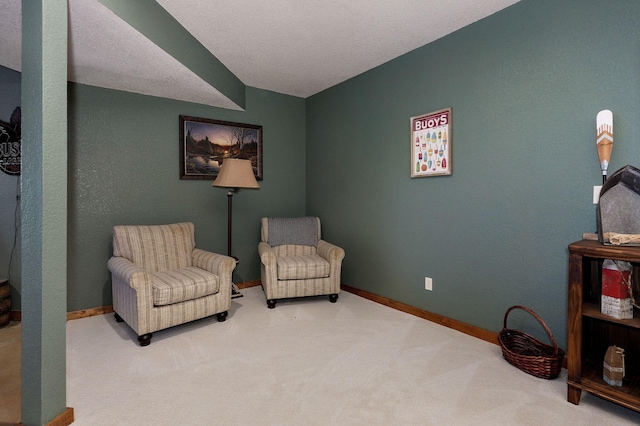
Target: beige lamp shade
{"points": [[236, 173]]}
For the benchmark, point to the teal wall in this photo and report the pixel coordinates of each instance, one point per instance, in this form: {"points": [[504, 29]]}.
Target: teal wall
{"points": [[43, 204], [525, 86], [124, 169], [128, 173]]}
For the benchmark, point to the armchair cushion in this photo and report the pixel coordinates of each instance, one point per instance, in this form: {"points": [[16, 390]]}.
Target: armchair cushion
{"points": [[302, 267], [180, 285]]}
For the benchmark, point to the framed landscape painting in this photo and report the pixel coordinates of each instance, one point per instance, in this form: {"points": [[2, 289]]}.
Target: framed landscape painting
{"points": [[205, 143]]}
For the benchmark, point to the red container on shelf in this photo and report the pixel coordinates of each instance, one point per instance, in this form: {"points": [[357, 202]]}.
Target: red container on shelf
{"points": [[616, 297]]}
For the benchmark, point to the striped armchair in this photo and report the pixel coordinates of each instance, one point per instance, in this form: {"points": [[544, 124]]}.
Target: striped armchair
{"points": [[296, 262], [159, 279]]}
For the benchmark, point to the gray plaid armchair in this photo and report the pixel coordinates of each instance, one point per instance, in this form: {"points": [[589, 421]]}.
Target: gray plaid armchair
{"points": [[159, 279], [296, 262]]}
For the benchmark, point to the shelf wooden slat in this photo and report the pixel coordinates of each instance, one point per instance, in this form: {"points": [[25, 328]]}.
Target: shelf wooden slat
{"points": [[592, 310]]}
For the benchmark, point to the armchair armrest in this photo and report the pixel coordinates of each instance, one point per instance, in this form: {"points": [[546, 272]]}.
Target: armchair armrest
{"points": [[268, 268], [267, 255], [330, 252], [127, 271], [213, 262]]}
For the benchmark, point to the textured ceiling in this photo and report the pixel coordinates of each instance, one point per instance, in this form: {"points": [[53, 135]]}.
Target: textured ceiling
{"points": [[294, 47]]}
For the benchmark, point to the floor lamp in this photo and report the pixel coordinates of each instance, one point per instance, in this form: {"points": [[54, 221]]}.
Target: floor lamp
{"points": [[233, 175]]}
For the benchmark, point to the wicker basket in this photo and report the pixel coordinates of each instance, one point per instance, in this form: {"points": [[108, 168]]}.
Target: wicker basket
{"points": [[528, 353]]}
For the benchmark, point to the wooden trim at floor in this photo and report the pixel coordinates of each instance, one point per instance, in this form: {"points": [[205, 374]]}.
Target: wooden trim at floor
{"points": [[249, 284], [471, 330], [64, 419], [480, 333], [85, 313]]}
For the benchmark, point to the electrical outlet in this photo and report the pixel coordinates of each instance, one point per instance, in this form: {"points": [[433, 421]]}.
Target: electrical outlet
{"points": [[596, 194], [428, 283]]}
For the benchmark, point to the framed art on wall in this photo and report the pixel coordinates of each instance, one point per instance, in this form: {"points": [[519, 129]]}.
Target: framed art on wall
{"points": [[11, 144], [205, 143], [431, 144]]}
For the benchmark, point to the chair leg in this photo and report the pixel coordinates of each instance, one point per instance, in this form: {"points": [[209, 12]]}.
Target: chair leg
{"points": [[333, 298], [222, 316], [271, 303], [145, 339], [118, 317]]}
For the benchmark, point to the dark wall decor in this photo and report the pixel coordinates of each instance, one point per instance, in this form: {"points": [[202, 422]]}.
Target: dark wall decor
{"points": [[205, 143], [10, 144]]}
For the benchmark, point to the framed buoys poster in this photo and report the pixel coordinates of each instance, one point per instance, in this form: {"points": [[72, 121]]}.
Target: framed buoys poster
{"points": [[431, 144]]}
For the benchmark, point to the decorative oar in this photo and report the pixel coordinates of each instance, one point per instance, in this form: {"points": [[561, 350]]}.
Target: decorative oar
{"points": [[604, 139]]}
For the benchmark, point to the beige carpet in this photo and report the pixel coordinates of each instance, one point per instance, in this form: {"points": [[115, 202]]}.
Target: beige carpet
{"points": [[310, 362], [307, 362], [10, 373]]}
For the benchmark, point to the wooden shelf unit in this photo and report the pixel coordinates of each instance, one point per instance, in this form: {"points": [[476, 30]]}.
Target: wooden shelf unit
{"points": [[590, 332]]}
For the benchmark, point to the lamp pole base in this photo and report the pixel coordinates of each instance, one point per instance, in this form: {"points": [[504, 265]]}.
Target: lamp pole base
{"points": [[235, 292]]}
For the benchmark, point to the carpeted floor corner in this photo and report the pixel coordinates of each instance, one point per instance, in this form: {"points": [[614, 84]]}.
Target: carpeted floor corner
{"points": [[310, 362], [10, 381]]}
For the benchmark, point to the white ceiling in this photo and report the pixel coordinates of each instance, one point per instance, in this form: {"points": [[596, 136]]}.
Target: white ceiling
{"points": [[294, 47]]}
